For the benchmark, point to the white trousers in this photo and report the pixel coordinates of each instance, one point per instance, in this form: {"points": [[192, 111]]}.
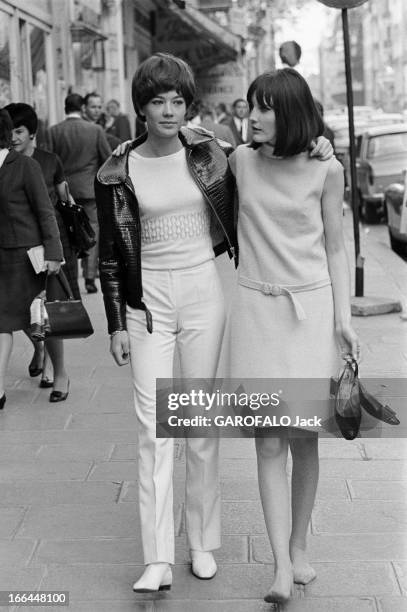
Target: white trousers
{"points": [[188, 311]]}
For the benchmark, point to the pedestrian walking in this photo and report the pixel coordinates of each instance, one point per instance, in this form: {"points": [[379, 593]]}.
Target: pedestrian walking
{"points": [[82, 148], [92, 110], [221, 113], [239, 123], [27, 219], [116, 123], [291, 315], [208, 122], [200, 115], [25, 123], [180, 218], [164, 206]]}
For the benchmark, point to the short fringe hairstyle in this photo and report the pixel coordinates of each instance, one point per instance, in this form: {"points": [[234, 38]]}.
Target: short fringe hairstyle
{"points": [[23, 115], [158, 74], [298, 121]]}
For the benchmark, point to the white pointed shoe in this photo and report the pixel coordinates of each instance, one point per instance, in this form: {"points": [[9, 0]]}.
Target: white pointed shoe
{"points": [[156, 577], [203, 564]]}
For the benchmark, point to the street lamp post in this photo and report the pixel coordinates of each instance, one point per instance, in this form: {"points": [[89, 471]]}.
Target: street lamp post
{"points": [[361, 306], [344, 5]]}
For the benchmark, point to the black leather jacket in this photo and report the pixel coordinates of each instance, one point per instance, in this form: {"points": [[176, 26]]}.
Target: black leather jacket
{"points": [[119, 219]]}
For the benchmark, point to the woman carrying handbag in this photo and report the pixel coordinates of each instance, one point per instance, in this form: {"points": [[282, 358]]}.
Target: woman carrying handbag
{"points": [[25, 123], [27, 219]]}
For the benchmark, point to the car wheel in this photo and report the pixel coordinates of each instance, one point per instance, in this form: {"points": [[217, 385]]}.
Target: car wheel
{"points": [[370, 214], [397, 246]]}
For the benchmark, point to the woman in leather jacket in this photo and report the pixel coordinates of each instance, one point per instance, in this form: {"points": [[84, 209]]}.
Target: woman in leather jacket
{"points": [[165, 208]]}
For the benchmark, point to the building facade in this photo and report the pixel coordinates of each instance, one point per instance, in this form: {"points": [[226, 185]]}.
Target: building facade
{"points": [[385, 68], [49, 48], [332, 60], [27, 58], [379, 56]]}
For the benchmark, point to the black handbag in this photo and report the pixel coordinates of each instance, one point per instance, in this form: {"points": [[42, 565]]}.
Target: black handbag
{"points": [[66, 318], [80, 232]]}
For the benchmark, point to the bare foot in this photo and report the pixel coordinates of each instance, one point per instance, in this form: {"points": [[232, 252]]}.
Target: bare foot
{"points": [[303, 571], [280, 590]]}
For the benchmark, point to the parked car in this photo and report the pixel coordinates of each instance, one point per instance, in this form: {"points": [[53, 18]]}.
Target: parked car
{"points": [[395, 197], [362, 123], [382, 158]]}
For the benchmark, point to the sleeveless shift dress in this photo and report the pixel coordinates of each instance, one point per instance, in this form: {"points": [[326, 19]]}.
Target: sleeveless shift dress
{"points": [[281, 322]]}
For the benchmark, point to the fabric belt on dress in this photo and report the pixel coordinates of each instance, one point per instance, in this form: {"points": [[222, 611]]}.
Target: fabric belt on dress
{"points": [[288, 290]]}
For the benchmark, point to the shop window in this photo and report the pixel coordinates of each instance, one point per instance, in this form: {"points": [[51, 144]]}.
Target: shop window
{"points": [[5, 75], [39, 78]]}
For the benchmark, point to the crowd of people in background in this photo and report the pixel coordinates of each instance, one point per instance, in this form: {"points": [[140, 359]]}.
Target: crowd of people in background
{"points": [[60, 163]]}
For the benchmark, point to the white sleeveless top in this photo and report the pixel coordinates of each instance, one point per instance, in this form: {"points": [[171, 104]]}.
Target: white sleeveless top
{"points": [[175, 219]]}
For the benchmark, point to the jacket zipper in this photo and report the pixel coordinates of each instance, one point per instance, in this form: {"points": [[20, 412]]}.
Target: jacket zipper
{"points": [[149, 316], [200, 185]]}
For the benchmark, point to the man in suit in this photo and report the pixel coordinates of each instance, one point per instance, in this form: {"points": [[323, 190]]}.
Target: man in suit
{"points": [[92, 111], [200, 115], [117, 123], [239, 122], [221, 112], [220, 130], [83, 148]]}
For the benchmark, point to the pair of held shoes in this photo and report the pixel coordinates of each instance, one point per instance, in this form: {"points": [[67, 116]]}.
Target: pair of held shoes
{"points": [[158, 576]]}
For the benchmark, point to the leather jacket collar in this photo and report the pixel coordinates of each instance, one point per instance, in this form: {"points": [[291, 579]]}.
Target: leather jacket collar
{"points": [[115, 169]]}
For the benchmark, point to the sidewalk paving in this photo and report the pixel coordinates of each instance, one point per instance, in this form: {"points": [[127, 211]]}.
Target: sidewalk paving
{"points": [[68, 503]]}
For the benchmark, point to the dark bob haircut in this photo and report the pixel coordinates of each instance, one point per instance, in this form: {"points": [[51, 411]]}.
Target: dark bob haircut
{"points": [[298, 121], [23, 115], [158, 74], [6, 127]]}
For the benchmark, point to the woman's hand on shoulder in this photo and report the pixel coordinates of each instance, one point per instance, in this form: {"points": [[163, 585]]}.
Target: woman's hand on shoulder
{"points": [[120, 347], [121, 148], [53, 267], [322, 149]]}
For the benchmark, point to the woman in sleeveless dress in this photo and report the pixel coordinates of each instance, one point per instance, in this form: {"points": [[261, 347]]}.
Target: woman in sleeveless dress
{"points": [[291, 317]]}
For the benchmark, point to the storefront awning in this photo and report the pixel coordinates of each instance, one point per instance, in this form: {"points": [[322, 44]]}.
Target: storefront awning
{"points": [[82, 32], [189, 34]]}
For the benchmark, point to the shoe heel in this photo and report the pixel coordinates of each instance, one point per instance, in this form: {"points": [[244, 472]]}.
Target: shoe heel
{"points": [[2, 401], [165, 587]]}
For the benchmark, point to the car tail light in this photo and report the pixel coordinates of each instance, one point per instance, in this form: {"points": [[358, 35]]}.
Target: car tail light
{"points": [[370, 175]]}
